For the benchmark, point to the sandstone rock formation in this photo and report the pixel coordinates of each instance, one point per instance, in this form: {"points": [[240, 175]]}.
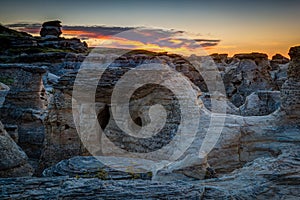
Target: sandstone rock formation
{"points": [[13, 160], [51, 29], [260, 103], [24, 105], [60, 108], [51, 32], [244, 139], [235, 140], [247, 73], [290, 96]]}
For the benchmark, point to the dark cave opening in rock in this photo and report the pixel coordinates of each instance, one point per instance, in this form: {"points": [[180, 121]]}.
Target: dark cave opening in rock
{"points": [[103, 117], [138, 121]]}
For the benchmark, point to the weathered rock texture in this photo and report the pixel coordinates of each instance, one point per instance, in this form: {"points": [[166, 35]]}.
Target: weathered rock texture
{"points": [[62, 139], [264, 178], [247, 73], [236, 146], [255, 156], [51, 29], [13, 162], [260, 103], [92, 167], [24, 106], [290, 92], [19, 47]]}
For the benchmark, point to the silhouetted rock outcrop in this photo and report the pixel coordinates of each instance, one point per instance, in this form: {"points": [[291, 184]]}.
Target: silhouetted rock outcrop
{"points": [[278, 59], [51, 29]]}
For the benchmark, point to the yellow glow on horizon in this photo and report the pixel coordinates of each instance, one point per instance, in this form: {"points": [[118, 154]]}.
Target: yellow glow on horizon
{"points": [[115, 42]]}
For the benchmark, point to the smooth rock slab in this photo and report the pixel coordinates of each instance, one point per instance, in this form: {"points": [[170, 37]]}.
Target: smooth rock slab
{"points": [[264, 178], [112, 168]]}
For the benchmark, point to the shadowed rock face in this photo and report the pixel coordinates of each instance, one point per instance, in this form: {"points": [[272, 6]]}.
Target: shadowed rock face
{"points": [[24, 105], [51, 29], [3, 92], [278, 60], [290, 92], [13, 162]]}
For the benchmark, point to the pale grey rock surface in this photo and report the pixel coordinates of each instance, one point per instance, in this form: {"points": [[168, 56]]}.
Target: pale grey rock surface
{"points": [[260, 103]]}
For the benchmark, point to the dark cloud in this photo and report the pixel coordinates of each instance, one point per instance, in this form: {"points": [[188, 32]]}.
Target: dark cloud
{"points": [[101, 30], [23, 25], [209, 44], [90, 30], [206, 40]]}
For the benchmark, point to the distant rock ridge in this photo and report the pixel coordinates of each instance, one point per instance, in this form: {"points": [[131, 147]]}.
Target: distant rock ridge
{"points": [[252, 56], [280, 59]]}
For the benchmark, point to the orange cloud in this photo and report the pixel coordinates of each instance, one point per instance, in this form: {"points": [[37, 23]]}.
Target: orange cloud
{"points": [[83, 34]]}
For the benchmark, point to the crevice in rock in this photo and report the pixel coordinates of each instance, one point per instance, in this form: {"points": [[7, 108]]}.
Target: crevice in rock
{"points": [[103, 117]]}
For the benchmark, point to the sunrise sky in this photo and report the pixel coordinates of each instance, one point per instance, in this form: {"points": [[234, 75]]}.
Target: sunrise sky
{"points": [[218, 26]]}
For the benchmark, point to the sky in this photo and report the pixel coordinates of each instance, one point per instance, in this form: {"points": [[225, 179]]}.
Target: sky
{"points": [[218, 26]]}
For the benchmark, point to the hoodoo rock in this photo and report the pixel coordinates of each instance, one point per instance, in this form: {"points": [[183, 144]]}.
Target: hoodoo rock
{"points": [[51, 32], [14, 161], [290, 91], [24, 106], [51, 29]]}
